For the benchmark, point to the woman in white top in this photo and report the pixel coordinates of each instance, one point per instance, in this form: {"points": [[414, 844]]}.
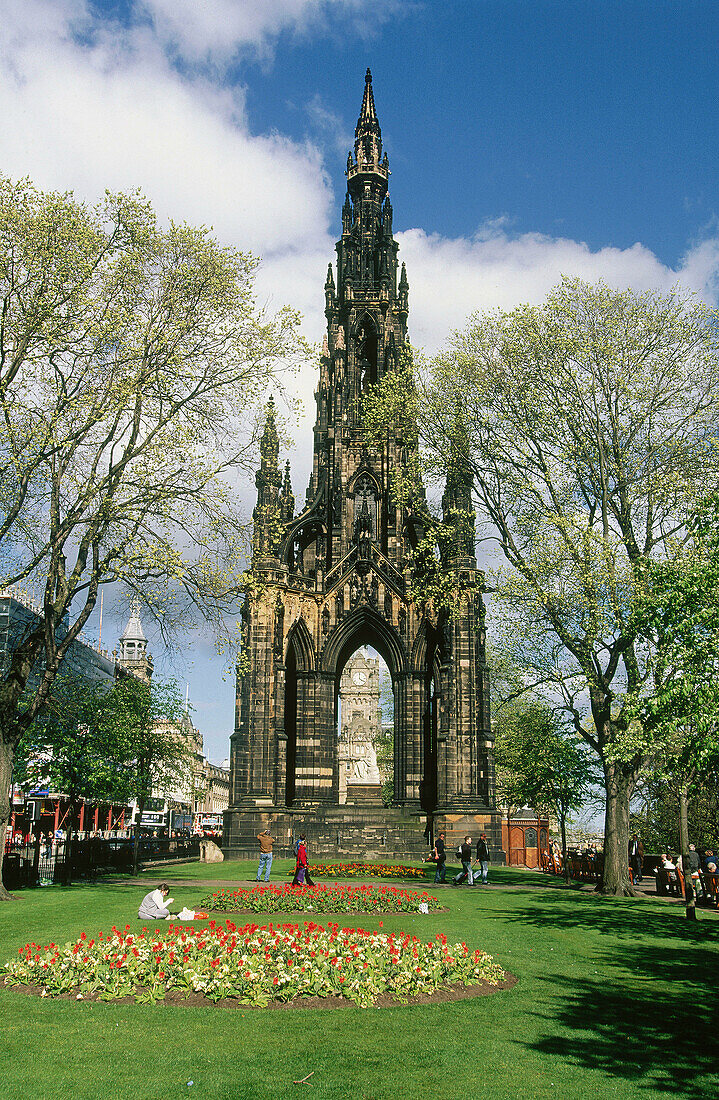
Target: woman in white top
{"points": [[154, 906]]}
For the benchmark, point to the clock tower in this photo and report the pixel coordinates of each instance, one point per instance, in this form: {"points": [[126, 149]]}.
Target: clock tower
{"points": [[334, 576]]}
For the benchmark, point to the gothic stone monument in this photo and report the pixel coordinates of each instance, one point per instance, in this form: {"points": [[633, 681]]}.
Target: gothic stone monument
{"points": [[334, 578]]}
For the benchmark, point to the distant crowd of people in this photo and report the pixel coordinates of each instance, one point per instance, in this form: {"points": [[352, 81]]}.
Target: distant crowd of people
{"points": [[697, 864], [474, 872]]}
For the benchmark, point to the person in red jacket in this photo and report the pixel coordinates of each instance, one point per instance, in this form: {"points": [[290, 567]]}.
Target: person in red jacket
{"points": [[302, 875]]}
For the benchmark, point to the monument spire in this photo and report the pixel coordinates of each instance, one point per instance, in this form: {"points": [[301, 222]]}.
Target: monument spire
{"points": [[337, 575], [268, 482], [368, 163], [368, 121]]}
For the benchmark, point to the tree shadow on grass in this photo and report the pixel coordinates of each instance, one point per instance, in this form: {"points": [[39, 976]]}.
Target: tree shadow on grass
{"points": [[662, 1039], [646, 1010], [511, 876], [617, 917]]}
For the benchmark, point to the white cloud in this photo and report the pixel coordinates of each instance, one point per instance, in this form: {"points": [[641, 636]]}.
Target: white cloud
{"points": [[87, 117], [222, 28], [451, 278], [329, 126]]}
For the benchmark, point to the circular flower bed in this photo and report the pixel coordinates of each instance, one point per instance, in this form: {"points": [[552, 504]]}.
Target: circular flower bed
{"points": [[363, 870], [321, 899], [251, 963]]}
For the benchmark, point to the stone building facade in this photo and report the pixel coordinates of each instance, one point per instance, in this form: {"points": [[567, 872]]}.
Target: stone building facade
{"points": [[335, 577]]}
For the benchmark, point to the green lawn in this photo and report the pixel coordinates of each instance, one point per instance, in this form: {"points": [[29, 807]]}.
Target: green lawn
{"points": [[615, 998]]}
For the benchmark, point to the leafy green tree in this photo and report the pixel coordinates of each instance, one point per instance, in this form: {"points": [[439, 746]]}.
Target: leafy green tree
{"points": [[656, 811], [678, 615], [585, 430], [145, 725], [540, 764], [133, 367], [67, 749]]}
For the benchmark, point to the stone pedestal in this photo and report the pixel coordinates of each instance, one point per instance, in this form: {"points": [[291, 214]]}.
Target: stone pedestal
{"points": [[355, 832]]}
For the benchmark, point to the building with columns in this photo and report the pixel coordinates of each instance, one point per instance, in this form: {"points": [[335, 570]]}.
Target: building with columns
{"points": [[335, 576]]}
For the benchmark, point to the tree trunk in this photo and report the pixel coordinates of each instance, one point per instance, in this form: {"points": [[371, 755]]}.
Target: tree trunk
{"points": [[72, 815], [6, 761], [689, 895], [565, 861], [136, 846], [618, 786]]}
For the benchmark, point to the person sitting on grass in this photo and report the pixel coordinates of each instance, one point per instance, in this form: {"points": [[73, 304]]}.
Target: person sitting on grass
{"points": [[154, 906]]}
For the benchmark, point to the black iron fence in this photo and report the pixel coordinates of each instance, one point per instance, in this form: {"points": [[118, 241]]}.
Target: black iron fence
{"points": [[43, 862]]}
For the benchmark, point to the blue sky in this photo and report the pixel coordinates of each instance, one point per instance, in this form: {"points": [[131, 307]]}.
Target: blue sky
{"points": [[526, 140]]}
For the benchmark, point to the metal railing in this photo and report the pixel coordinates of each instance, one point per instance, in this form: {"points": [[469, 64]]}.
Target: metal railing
{"points": [[43, 863]]}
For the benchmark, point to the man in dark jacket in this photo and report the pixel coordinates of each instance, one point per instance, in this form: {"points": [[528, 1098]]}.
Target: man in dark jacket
{"points": [[465, 854], [636, 857], [441, 860], [482, 859]]}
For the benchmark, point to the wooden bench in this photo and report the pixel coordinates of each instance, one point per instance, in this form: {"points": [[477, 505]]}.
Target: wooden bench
{"points": [[549, 863], [710, 888], [669, 882]]}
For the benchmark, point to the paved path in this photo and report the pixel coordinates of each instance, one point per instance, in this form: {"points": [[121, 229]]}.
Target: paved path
{"points": [[646, 888]]}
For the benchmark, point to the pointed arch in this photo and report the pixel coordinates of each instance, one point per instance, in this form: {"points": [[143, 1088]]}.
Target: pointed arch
{"points": [[299, 641], [306, 529], [365, 320], [419, 649], [364, 471], [363, 626], [365, 338]]}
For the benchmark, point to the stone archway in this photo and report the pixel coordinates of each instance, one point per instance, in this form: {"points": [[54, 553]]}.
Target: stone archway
{"points": [[299, 667], [364, 626]]}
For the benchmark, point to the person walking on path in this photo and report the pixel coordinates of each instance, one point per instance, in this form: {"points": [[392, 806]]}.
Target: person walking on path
{"points": [[266, 841], [636, 857], [465, 854], [439, 874], [301, 873], [483, 859]]}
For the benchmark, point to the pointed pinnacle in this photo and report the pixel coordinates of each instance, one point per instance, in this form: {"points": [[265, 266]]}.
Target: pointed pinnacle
{"points": [[367, 120]]}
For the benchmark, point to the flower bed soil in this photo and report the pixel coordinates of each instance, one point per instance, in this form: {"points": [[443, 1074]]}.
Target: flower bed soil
{"points": [[442, 995]]}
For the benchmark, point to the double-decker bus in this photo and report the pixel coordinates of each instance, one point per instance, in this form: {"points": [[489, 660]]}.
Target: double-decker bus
{"points": [[208, 823]]}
